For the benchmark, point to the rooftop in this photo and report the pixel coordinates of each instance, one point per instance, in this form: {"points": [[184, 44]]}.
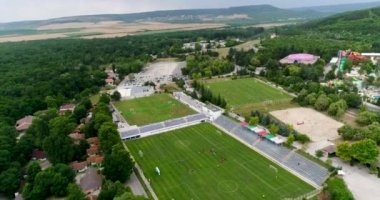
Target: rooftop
{"points": [[302, 58], [92, 180]]}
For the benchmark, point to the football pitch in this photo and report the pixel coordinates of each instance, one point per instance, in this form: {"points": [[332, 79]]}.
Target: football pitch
{"points": [[152, 109], [246, 91], [202, 162]]}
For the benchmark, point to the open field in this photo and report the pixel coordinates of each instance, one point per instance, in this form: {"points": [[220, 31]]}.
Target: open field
{"points": [[223, 52], [316, 125], [202, 162], [321, 129], [264, 107], [104, 29], [152, 109], [247, 91]]}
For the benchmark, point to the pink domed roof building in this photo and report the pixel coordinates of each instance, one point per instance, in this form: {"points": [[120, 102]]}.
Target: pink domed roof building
{"points": [[302, 58]]}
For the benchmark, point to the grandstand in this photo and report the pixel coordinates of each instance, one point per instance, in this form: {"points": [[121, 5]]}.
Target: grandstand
{"points": [[299, 165], [156, 128], [209, 109]]}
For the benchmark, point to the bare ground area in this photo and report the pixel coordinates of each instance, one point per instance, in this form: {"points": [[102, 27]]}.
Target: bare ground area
{"points": [[316, 125], [106, 29], [18, 38]]}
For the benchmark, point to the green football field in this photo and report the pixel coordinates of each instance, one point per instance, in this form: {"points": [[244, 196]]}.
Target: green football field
{"points": [[152, 109], [201, 162], [245, 91]]}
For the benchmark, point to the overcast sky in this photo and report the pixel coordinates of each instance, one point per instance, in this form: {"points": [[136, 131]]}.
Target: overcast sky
{"points": [[17, 10]]}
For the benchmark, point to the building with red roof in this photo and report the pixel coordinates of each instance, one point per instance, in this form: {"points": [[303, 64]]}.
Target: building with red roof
{"points": [[95, 160], [79, 167], [38, 155], [66, 107]]}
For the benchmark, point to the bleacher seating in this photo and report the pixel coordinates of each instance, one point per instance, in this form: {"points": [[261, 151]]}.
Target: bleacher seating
{"points": [[294, 161]]}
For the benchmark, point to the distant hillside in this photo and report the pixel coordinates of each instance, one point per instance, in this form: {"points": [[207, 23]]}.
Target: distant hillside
{"points": [[232, 16], [339, 8], [362, 21]]}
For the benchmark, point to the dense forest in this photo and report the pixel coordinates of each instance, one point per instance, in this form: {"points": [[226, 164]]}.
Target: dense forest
{"points": [[41, 74], [37, 77]]}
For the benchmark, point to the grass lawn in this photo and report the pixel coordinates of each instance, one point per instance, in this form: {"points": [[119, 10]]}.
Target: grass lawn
{"points": [[246, 91], [152, 109], [95, 98], [202, 162]]}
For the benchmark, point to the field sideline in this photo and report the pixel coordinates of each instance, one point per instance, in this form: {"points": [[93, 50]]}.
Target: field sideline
{"points": [[202, 162], [152, 109], [245, 91]]}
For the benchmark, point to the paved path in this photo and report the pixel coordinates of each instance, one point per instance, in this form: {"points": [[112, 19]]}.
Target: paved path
{"points": [[362, 184], [136, 186], [151, 191]]}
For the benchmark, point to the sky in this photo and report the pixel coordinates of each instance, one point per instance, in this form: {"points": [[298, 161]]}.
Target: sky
{"points": [[20, 10]]}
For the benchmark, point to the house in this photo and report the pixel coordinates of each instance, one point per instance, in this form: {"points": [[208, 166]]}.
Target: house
{"points": [[39, 155], [66, 107], [109, 81], [18, 196], [91, 182], [93, 150], [24, 123], [330, 150], [79, 167], [93, 141], [95, 160], [77, 136]]}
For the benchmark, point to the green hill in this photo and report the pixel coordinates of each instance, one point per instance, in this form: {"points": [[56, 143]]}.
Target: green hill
{"points": [[232, 16], [359, 22]]}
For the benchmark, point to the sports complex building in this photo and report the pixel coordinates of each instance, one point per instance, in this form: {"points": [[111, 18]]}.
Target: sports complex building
{"points": [[256, 137]]}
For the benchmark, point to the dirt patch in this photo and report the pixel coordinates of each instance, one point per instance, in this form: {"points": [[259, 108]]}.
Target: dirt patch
{"points": [[316, 125], [20, 38], [106, 29]]}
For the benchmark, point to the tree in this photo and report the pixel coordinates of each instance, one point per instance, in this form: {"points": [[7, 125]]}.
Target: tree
{"points": [[290, 140], [322, 103], [110, 190], [338, 108], [108, 137], [75, 193], [365, 151], [348, 132], [353, 100], [302, 138], [338, 190], [116, 96], [254, 121], [10, 180], [366, 118], [33, 169], [59, 148], [39, 130], [343, 151], [62, 125], [319, 153], [100, 119], [273, 128], [104, 98], [79, 113], [118, 165]]}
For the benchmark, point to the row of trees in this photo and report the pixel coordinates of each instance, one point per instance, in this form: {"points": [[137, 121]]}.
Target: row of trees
{"points": [[207, 96], [199, 66], [364, 151]]}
